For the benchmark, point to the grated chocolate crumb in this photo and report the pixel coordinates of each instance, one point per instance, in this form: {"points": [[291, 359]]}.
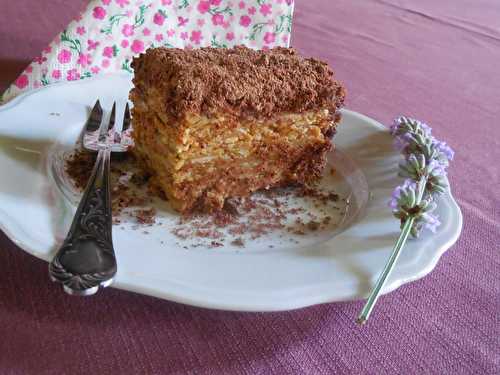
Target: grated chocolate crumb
{"points": [[238, 242]]}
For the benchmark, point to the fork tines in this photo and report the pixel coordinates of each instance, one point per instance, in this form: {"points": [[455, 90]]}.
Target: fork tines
{"points": [[104, 129]]}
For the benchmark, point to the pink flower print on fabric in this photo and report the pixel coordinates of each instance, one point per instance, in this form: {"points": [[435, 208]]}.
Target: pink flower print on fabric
{"points": [[80, 30], [28, 69], [159, 18], [40, 60], [245, 21], [72, 75], [203, 7], [91, 45], [128, 30], [64, 56], [108, 52], [84, 59], [218, 19], [110, 32], [22, 81], [269, 37], [137, 46], [196, 37], [266, 9], [122, 3], [99, 13]]}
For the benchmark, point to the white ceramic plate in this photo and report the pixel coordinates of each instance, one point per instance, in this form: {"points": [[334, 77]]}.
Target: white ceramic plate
{"points": [[322, 267]]}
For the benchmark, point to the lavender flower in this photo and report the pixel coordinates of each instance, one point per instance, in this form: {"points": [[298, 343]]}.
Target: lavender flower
{"points": [[400, 143], [436, 179], [424, 168], [416, 167], [415, 137], [431, 221], [405, 125], [404, 195], [408, 201], [445, 151]]}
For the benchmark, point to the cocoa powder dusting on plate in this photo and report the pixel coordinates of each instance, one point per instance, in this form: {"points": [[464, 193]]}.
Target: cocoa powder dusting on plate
{"points": [[242, 219]]}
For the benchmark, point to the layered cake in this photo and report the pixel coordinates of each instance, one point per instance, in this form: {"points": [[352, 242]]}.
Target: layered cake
{"points": [[210, 123]]}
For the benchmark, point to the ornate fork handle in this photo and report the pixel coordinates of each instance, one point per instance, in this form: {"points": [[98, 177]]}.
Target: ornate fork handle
{"points": [[86, 260]]}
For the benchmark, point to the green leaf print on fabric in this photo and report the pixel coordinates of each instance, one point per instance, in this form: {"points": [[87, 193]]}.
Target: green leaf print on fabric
{"points": [[74, 44], [126, 66], [113, 21], [214, 43]]}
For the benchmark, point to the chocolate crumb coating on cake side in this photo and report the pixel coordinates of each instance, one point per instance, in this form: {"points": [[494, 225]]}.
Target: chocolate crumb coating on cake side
{"points": [[238, 81]]}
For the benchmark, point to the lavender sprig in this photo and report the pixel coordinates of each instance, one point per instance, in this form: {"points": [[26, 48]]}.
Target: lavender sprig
{"points": [[426, 160], [413, 202]]}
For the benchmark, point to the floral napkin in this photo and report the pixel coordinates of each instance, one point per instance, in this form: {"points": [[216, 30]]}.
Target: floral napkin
{"points": [[108, 33]]}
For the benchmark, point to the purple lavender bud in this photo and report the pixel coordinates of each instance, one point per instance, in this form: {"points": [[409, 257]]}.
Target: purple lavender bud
{"points": [[396, 194], [409, 184], [426, 160], [431, 221], [445, 150], [404, 124], [393, 129], [427, 130], [400, 143], [401, 195], [436, 169]]}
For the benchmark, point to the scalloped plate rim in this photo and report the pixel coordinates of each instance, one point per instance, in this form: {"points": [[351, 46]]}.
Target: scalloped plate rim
{"points": [[323, 293]]}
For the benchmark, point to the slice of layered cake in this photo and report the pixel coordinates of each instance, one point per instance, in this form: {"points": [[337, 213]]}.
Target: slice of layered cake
{"points": [[210, 123]]}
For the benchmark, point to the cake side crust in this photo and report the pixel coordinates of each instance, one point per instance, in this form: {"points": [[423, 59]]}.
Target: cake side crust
{"points": [[200, 176]]}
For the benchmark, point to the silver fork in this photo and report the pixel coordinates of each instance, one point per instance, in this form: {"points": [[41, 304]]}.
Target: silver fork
{"points": [[86, 259]]}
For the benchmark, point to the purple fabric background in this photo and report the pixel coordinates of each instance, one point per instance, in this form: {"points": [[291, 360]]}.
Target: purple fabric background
{"points": [[435, 60]]}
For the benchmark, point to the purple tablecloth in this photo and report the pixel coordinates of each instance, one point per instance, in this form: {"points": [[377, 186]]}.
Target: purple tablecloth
{"points": [[435, 60]]}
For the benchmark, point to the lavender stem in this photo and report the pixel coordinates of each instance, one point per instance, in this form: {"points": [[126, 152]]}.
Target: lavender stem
{"points": [[389, 266]]}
